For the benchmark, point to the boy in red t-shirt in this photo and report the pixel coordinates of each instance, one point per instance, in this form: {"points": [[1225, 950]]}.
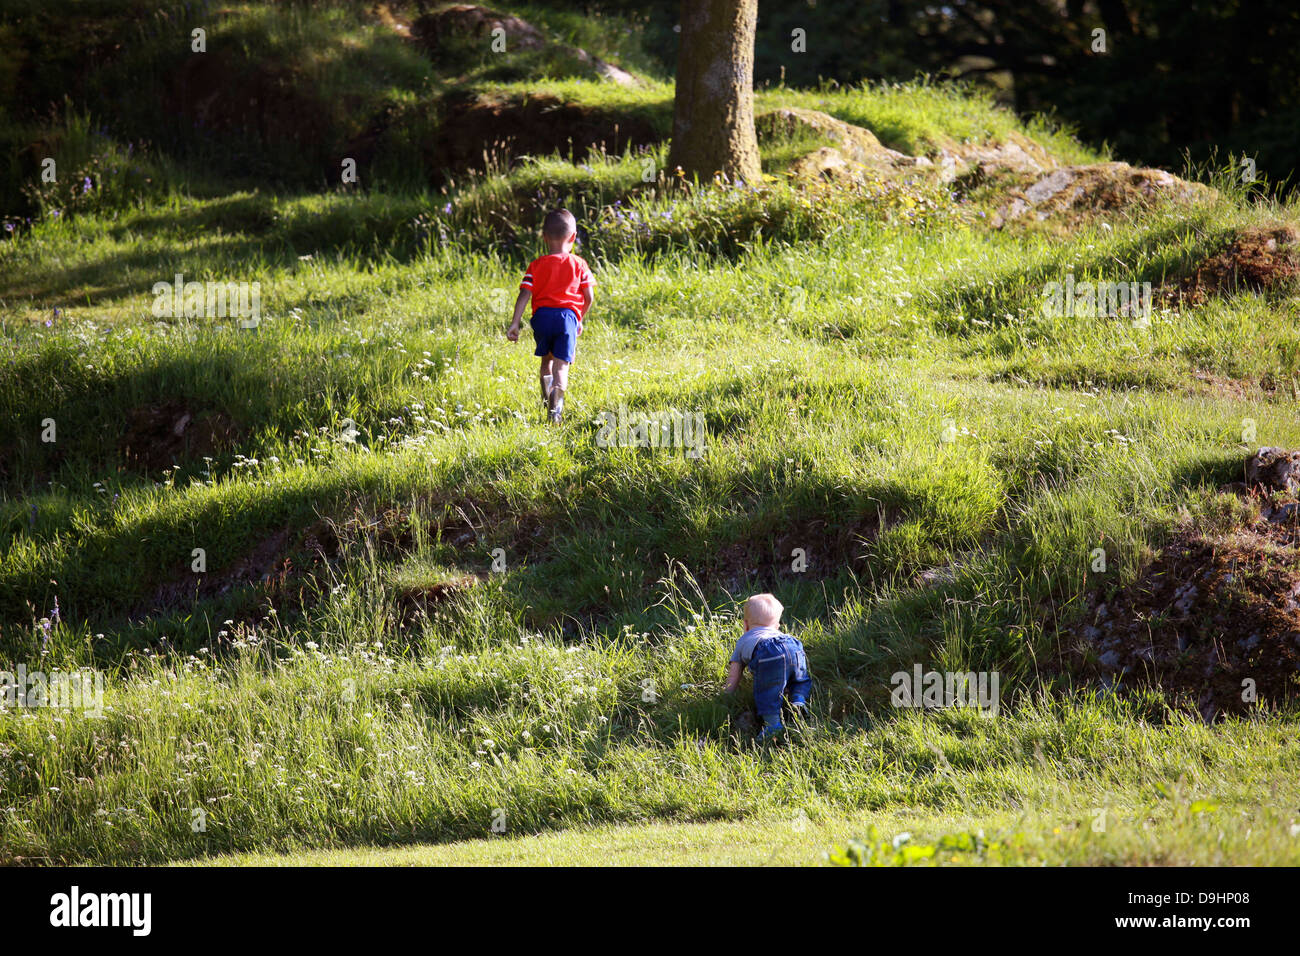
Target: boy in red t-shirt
{"points": [[561, 288]]}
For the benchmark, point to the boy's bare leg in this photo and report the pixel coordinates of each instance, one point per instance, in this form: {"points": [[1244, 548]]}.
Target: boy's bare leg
{"points": [[559, 385], [547, 378]]}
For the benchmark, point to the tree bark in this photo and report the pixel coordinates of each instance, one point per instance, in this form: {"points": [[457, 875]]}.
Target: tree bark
{"points": [[713, 110]]}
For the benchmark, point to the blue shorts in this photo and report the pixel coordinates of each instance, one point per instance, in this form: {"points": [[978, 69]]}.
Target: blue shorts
{"points": [[556, 332]]}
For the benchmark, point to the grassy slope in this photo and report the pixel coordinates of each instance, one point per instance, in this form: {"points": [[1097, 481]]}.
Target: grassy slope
{"points": [[1187, 840], [1080, 786], [827, 358]]}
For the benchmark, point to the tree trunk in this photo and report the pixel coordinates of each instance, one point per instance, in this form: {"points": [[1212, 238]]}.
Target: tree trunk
{"points": [[713, 112]]}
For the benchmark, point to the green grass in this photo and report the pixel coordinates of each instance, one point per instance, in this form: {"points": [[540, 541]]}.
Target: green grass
{"points": [[920, 118], [282, 761], [881, 389], [1093, 836]]}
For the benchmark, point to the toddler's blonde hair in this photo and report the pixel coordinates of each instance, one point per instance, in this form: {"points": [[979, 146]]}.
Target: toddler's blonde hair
{"points": [[763, 609]]}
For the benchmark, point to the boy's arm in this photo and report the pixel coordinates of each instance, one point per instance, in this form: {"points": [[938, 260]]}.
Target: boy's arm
{"points": [[522, 300], [587, 286], [734, 670]]}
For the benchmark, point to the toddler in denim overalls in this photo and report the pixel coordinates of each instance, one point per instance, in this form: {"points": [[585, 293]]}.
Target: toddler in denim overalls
{"points": [[776, 661]]}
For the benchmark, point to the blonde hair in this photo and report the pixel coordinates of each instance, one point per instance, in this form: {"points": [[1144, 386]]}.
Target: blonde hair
{"points": [[763, 609]]}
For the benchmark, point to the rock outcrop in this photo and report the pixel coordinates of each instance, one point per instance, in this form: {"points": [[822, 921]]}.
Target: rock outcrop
{"points": [[1034, 185], [1077, 191]]}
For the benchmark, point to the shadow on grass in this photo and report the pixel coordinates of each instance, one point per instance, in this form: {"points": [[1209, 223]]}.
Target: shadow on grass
{"points": [[994, 304]]}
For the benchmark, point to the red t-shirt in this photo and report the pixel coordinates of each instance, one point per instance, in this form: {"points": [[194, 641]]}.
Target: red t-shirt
{"points": [[556, 281]]}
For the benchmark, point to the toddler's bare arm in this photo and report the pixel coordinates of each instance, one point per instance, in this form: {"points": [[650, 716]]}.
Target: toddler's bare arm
{"points": [[734, 670], [522, 300]]}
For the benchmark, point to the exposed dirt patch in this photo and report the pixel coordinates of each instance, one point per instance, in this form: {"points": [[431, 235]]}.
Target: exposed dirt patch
{"points": [[820, 547], [1271, 470], [160, 436], [1221, 386], [267, 562], [474, 126], [259, 564], [439, 591], [1214, 619], [1260, 258], [279, 567], [275, 569], [416, 601], [218, 93], [1269, 386], [469, 527]]}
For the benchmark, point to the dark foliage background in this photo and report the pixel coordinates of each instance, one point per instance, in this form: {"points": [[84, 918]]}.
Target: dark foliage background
{"points": [[1177, 78], [1210, 82]]}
